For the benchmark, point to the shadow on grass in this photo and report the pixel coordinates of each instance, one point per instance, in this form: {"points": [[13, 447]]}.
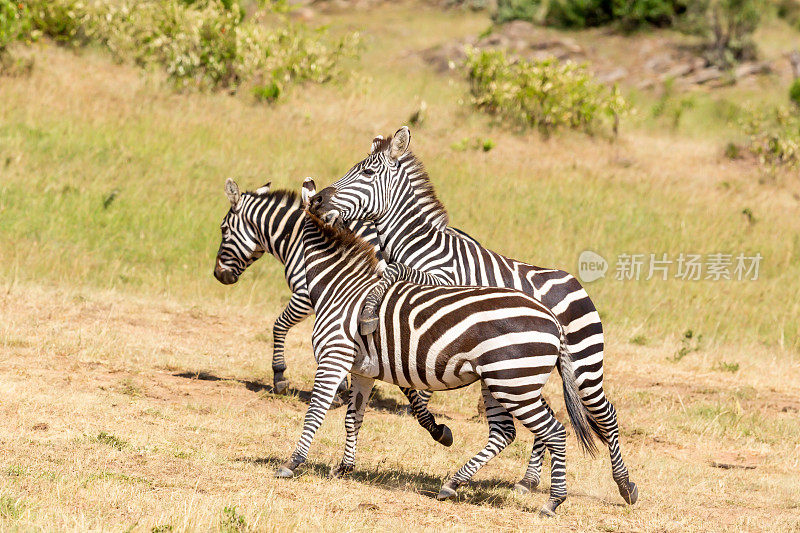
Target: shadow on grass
{"points": [[377, 400], [492, 492]]}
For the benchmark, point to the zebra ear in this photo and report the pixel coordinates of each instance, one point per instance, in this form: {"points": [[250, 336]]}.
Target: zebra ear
{"points": [[264, 189], [376, 143], [309, 189], [232, 192], [400, 142]]}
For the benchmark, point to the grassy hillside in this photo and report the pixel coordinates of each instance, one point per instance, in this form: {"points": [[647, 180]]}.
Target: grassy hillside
{"points": [[111, 191]]}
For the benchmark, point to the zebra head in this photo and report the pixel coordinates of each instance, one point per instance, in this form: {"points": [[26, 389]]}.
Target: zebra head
{"points": [[364, 193], [240, 245]]}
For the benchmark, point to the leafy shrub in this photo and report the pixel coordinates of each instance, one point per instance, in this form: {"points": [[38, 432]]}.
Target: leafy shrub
{"points": [[726, 27], [61, 20], [508, 10], [587, 13], [789, 10], [774, 137], [545, 94], [579, 13], [14, 23], [198, 43], [794, 92]]}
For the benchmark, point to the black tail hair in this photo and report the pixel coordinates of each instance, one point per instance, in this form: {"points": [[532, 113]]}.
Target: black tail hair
{"points": [[582, 422]]}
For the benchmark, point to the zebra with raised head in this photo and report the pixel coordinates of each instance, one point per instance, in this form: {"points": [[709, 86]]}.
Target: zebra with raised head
{"points": [[391, 188], [438, 338], [270, 222]]}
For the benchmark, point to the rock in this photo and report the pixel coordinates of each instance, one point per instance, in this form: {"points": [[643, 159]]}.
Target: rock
{"points": [[794, 60], [614, 75], [678, 71], [305, 14], [519, 30], [441, 57], [752, 69], [704, 76], [659, 63]]}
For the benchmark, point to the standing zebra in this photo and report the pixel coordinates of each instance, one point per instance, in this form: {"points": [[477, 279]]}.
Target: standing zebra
{"points": [[391, 188], [267, 221], [438, 338]]}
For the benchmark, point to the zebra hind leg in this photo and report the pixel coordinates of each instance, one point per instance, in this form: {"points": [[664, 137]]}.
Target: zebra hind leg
{"points": [[501, 434], [605, 424], [538, 418], [418, 401]]}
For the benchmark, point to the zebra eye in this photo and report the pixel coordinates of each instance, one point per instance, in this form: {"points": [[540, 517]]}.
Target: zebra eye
{"points": [[227, 234], [368, 172]]}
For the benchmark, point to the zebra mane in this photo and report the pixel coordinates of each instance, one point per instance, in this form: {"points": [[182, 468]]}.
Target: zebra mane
{"points": [[350, 245], [420, 183], [423, 188], [291, 197]]}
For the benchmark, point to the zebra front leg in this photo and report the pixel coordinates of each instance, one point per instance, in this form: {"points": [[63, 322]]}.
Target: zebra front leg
{"points": [[360, 388], [533, 473], [295, 311], [330, 372], [501, 434], [419, 407]]}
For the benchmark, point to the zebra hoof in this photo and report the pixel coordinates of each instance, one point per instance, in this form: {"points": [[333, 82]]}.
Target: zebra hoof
{"points": [[442, 435], [368, 324], [341, 471], [282, 387], [630, 493], [283, 472], [546, 513], [524, 486], [549, 508], [446, 493]]}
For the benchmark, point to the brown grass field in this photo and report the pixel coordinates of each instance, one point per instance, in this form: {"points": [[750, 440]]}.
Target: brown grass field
{"points": [[137, 413], [135, 390]]}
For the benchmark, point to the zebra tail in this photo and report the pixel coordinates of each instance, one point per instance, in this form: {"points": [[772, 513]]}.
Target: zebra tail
{"points": [[582, 422]]}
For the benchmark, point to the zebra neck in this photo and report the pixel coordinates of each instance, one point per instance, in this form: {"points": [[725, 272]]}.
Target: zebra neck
{"points": [[406, 222], [333, 274]]}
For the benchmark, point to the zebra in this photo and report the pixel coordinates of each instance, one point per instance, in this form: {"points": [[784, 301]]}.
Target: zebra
{"points": [[391, 188], [266, 221], [439, 338]]}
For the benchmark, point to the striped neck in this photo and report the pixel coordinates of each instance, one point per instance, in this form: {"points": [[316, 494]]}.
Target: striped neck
{"points": [[278, 219], [337, 261], [411, 216]]}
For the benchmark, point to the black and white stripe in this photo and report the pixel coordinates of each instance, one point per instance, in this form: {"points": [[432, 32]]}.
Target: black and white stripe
{"points": [[391, 188], [270, 222], [438, 338]]}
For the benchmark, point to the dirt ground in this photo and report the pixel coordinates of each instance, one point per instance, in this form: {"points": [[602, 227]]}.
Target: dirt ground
{"points": [[147, 414]]}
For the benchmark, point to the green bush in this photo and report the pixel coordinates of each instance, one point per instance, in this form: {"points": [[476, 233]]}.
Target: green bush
{"points": [[726, 27], [61, 20], [198, 43], [629, 14], [774, 137], [508, 10], [547, 94], [794, 92], [579, 13], [14, 23]]}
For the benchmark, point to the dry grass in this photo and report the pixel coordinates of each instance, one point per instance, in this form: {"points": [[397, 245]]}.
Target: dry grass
{"points": [[126, 412]]}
